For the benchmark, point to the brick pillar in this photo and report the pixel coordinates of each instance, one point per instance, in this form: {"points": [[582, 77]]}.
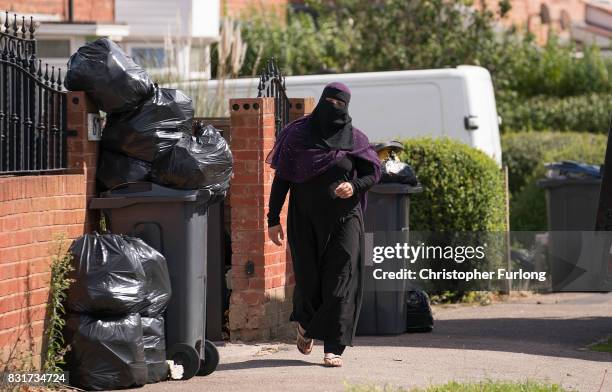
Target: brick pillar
{"points": [[82, 153], [262, 277], [299, 107]]}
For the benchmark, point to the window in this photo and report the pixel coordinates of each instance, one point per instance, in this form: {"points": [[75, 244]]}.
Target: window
{"points": [[53, 48], [154, 57], [199, 59]]}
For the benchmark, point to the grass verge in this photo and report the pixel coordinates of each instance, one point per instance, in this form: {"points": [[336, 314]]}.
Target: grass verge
{"points": [[453, 386]]}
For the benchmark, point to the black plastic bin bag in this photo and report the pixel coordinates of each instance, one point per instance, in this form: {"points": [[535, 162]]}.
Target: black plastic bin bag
{"points": [[398, 172], [155, 348], [108, 275], [151, 129], [200, 162], [105, 353], [116, 169], [113, 81], [157, 287]]}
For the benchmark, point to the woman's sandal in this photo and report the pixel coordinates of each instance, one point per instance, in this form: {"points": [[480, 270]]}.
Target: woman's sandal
{"points": [[332, 360], [303, 344]]}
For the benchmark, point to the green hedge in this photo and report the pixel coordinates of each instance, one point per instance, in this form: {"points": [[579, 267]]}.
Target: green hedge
{"points": [[590, 113], [526, 153], [463, 189]]}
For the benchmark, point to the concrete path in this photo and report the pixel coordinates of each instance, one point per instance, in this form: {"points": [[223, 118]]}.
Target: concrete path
{"points": [[540, 337]]}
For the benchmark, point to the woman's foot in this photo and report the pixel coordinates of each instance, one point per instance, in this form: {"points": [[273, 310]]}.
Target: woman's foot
{"points": [[332, 360], [303, 344]]}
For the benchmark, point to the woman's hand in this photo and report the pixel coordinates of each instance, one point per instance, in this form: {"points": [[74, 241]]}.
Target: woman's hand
{"points": [[344, 190], [276, 234]]}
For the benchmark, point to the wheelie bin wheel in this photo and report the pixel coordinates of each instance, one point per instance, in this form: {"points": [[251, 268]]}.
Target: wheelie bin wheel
{"points": [[187, 356], [211, 359]]}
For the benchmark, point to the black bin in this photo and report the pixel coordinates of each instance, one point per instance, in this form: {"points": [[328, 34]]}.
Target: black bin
{"points": [[384, 309], [571, 205], [175, 223]]}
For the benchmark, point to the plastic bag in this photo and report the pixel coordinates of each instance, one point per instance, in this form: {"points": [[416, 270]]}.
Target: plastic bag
{"points": [[398, 172], [418, 313], [151, 129], [105, 353], [109, 77], [115, 169], [201, 162], [155, 348], [109, 278], [157, 287]]}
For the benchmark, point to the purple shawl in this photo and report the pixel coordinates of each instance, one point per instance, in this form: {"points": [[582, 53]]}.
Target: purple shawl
{"points": [[296, 163]]}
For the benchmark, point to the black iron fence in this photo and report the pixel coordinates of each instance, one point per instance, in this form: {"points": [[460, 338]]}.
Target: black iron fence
{"points": [[32, 104], [272, 84]]}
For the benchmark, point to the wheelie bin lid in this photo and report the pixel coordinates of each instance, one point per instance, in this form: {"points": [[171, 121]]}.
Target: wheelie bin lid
{"points": [[560, 182], [128, 194], [394, 187]]}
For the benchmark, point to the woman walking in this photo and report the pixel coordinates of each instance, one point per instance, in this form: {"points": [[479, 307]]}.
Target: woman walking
{"points": [[328, 165]]}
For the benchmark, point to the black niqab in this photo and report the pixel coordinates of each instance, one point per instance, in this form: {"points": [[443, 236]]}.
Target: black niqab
{"points": [[330, 126]]}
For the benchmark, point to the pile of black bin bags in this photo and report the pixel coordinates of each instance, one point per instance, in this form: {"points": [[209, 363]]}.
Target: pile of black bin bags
{"points": [[148, 131], [115, 324]]}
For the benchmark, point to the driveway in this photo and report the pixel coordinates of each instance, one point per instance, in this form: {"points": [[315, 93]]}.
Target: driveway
{"points": [[539, 337]]}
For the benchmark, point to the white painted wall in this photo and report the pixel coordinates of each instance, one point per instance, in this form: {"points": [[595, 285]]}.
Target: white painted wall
{"points": [[178, 18]]}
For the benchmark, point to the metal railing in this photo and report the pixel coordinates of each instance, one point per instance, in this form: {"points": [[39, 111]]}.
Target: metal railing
{"points": [[32, 104], [272, 84]]}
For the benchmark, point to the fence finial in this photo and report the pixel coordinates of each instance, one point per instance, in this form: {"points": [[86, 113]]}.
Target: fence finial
{"points": [[53, 77], [23, 28], [15, 28], [32, 28]]}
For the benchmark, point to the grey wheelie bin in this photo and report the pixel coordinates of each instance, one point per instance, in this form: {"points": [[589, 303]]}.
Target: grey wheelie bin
{"points": [[571, 205], [175, 223], [384, 308]]}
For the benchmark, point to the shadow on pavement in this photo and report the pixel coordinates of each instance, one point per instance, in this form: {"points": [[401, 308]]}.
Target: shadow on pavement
{"points": [[538, 336], [263, 363]]}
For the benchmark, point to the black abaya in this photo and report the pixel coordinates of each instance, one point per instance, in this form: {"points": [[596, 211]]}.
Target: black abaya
{"points": [[325, 234]]}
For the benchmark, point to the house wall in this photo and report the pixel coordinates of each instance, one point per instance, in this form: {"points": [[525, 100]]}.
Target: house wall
{"points": [[521, 10], [84, 10], [236, 7]]}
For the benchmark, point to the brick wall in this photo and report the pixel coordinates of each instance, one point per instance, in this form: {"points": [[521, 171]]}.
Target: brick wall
{"points": [[34, 211], [262, 275], [237, 7], [522, 9], [84, 10]]}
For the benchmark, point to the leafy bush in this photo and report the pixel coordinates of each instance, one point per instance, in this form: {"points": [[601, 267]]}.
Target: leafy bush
{"points": [[589, 113], [299, 45], [552, 70], [354, 36], [462, 203], [463, 189], [526, 153]]}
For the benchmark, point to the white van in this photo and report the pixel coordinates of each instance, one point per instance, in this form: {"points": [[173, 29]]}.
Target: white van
{"points": [[457, 103]]}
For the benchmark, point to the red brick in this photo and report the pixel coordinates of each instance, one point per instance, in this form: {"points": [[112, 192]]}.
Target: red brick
{"points": [[22, 316], [21, 300], [22, 284], [253, 155], [10, 223], [9, 338], [249, 120], [239, 133]]}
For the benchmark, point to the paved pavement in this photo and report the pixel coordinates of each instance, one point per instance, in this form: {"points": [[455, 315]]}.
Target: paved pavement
{"points": [[539, 337]]}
